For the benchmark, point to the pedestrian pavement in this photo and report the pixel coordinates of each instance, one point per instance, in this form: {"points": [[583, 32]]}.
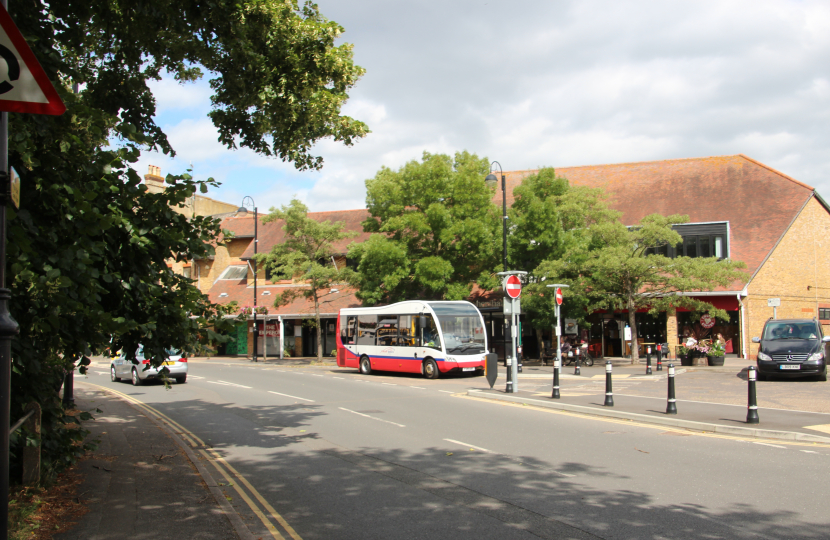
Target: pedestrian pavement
{"points": [[142, 481], [780, 424]]}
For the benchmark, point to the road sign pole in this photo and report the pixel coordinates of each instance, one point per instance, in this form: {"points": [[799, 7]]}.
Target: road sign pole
{"points": [[557, 367], [514, 330]]}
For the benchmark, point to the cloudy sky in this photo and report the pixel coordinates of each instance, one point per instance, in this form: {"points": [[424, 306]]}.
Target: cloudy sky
{"points": [[546, 83]]}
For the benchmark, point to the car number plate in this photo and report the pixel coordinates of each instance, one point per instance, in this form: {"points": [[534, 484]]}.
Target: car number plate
{"points": [[790, 366], [468, 369]]}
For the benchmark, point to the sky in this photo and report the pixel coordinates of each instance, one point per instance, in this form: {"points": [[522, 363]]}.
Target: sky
{"points": [[544, 83]]}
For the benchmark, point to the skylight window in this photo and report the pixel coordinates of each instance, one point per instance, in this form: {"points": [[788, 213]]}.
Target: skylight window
{"points": [[235, 272]]}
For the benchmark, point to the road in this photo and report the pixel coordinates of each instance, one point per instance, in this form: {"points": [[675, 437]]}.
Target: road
{"points": [[337, 455]]}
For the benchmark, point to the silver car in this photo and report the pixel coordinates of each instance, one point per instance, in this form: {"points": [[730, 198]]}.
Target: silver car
{"points": [[121, 368]]}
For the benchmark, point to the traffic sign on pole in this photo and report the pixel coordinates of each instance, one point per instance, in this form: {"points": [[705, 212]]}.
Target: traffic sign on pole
{"points": [[513, 286], [558, 296], [24, 87]]}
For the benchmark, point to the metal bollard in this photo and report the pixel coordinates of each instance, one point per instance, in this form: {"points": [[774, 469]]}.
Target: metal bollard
{"points": [[659, 358], [671, 406], [648, 360], [752, 406], [519, 358], [509, 387], [609, 394], [576, 369], [556, 365]]}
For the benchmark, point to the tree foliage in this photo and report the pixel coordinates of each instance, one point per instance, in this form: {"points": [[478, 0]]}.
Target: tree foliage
{"points": [[549, 219], [306, 254], [619, 271], [437, 231], [88, 250]]}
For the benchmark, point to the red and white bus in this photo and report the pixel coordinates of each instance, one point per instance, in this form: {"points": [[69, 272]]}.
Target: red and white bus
{"points": [[413, 337]]}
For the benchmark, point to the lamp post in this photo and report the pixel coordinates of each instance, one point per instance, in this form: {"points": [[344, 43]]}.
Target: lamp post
{"points": [[557, 368], [243, 211], [492, 180]]}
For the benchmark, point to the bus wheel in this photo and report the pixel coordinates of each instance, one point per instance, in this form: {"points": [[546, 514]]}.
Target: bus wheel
{"points": [[365, 365], [430, 369]]}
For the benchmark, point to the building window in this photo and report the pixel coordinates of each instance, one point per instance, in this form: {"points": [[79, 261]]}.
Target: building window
{"points": [[186, 272], [235, 272], [699, 240], [824, 313]]}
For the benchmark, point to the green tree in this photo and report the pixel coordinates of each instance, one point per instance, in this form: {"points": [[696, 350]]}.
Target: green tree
{"points": [[548, 219], [620, 270], [306, 254], [437, 228], [88, 251]]}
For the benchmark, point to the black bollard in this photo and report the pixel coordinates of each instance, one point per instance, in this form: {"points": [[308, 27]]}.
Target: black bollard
{"points": [[648, 360], [752, 407], [556, 365], [659, 358], [576, 369], [519, 358], [671, 406], [609, 394], [508, 389]]}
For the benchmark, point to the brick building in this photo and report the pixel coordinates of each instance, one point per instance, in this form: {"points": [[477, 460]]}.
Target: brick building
{"points": [[738, 208]]}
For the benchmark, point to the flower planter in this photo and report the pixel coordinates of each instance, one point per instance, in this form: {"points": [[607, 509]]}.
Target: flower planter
{"points": [[715, 360], [686, 360]]}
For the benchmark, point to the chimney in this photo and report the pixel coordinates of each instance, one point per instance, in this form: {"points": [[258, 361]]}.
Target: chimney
{"points": [[153, 176]]}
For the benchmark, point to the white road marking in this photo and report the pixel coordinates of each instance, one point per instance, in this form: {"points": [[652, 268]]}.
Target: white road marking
{"points": [[446, 391], [486, 451], [341, 378], [288, 395], [389, 384], [767, 444], [194, 377], [225, 383], [418, 387], [722, 404], [102, 372], [809, 452], [480, 449], [372, 417], [315, 375]]}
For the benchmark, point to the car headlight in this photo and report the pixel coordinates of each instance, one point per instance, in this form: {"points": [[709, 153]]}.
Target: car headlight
{"points": [[815, 357], [763, 356]]}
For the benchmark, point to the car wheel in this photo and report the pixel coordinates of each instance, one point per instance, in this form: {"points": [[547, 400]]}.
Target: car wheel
{"points": [[181, 380], [135, 379], [430, 369], [112, 375], [822, 377], [365, 365]]}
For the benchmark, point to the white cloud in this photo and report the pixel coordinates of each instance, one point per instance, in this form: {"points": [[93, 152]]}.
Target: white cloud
{"points": [[531, 83]]}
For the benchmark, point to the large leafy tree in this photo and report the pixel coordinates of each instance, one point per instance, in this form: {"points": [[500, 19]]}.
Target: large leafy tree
{"points": [[549, 219], [306, 255], [621, 270], [88, 251], [437, 231]]}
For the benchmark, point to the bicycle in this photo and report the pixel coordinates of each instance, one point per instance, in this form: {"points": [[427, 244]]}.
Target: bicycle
{"points": [[585, 358]]}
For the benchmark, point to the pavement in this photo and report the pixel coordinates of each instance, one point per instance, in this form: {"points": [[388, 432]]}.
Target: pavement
{"points": [[143, 482]]}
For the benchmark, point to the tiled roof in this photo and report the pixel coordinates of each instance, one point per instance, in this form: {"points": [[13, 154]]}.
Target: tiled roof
{"points": [[243, 294], [272, 233], [759, 202]]}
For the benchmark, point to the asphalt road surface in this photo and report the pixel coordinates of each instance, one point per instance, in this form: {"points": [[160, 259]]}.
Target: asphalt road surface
{"points": [[331, 454]]}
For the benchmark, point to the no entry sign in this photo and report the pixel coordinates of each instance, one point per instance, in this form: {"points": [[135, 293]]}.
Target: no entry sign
{"points": [[558, 296], [513, 286]]}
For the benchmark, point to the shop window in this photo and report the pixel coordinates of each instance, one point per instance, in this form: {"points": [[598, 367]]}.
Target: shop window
{"points": [[824, 313]]}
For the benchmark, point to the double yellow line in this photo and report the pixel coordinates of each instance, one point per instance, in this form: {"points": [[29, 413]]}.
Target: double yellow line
{"points": [[233, 477]]}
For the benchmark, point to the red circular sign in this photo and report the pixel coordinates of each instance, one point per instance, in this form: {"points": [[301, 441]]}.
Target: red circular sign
{"points": [[707, 321], [558, 296], [513, 287]]}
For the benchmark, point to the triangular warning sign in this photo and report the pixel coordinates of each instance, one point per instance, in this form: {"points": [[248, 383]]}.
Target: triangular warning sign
{"points": [[24, 86]]}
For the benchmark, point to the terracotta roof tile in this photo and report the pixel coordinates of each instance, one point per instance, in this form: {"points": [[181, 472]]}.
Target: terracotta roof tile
{"points": [[758, 201], [243, 294]]}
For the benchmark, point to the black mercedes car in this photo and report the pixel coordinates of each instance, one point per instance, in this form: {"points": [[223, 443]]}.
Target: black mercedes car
{"points": [[792, 348]]}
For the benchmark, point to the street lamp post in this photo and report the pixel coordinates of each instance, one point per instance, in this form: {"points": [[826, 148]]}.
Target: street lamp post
{"points": [[492, 180], [243, 211], [557, 368]]}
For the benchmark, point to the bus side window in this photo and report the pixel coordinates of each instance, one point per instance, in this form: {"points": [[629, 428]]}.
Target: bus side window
{"points": [[347, 331], [429, 332], [388, 331], [407, 331], [366, 327]]}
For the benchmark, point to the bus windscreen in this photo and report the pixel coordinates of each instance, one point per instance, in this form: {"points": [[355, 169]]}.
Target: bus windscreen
{"points": [[461, 327]]}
